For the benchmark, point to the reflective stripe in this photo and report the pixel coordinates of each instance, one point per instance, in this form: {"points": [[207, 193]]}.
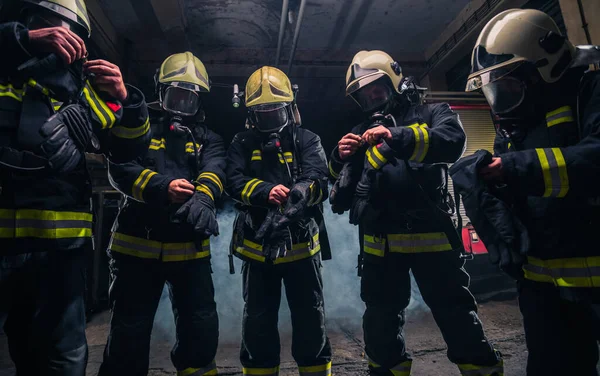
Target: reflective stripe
{"points": [[554, 170], [44, 224], [401, 369], [34, 84], [10, 91], [130, 133], [248, 189], [140, 184], [322, 370], [421, 132], [104, 114], [156, 144], [375, 158], [189, 147], [185, 251], [212, 177], [204, 189], [314, 198], [419, 243], [567, 272], [299, 251], [334, 174], [374, 246], [56, 105], [475, 370], [152, 249], [561, 115], [256, 155], [289, 157], [261, 371], [205, 371]]}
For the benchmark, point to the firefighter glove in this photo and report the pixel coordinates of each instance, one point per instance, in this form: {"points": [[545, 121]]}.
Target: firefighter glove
{"points": [[275, 241], [199, 211], [342, 191]]}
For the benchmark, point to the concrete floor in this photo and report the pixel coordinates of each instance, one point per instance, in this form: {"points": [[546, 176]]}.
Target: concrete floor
{"points": [[501, 320]]}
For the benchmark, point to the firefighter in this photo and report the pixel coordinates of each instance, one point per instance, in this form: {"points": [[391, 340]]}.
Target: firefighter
{"points": [[394, 176], [50, 114], [162, 233], [277, 172], [547, 113]]}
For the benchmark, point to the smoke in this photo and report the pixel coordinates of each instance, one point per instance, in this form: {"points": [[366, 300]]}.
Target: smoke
{"points": [[341, 283]]}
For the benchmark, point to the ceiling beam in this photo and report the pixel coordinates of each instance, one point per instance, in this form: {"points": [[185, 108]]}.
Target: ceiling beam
{"points": [[172, 20]]}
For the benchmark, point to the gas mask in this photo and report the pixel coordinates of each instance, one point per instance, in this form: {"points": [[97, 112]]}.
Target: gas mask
{"points": [[270, 118], [180, 100], [373, 97]]}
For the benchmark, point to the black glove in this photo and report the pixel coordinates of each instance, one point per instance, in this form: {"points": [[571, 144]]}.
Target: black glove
{"points": [[275, 242], [375, 158], [299, 199], [199, 211], [67, 135], [343, 189]]}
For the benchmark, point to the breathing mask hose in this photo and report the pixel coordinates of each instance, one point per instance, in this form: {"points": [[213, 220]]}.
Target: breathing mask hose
{"points": [[178, 128]]}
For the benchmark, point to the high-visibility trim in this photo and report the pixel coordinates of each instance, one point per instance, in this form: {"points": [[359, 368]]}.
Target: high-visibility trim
{"points": [[419, 243], [559, 116], [44, 224], [554, 171], [156, 144], [288, 156], [140, 184], [189, 147], [475, 370], [56, 104], [375, 158], [321, 370], [204, 189], [374, 245], [256, 155], [204, 371], [299, 251], [261, 371], [249, 189], [401, 369], [334, 174], [316, 194], [34, 84], [105, 115], [152, 249], [212, 177], [131, 133], [185, 251], [421, 132], [10, 91], [567, 272]]}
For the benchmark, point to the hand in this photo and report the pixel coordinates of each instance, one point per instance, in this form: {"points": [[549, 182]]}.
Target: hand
{"points": [[108, 78], [348, 145], [59, 40], [200, 212], [180, 190], [278, 195], [374, 135], [493, 172]]}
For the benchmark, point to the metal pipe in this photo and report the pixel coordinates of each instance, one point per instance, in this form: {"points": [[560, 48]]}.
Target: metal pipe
{"points": [[584, 23], [284, 10], [296, 35], [470, 107]]}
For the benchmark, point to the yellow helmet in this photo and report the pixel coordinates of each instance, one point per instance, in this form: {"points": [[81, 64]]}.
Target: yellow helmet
{"points": [[73, 11], [179, 80], [377, 70]]}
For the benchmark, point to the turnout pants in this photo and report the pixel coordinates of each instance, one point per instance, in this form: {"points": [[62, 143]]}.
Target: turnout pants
{"points": [[561, 335], [135, 292], [260, 336], [385, 289], [42, 298]]}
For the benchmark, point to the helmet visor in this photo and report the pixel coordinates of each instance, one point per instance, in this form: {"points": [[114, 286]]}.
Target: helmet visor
{"points": [[504, 95], [270, 117], [44, 20], [181, 101], [373, 95], [477, 81]]}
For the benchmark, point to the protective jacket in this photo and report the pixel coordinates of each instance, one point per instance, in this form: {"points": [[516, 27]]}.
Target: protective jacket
{"points": [[252, 171], [144, 227], [553, 172], [44, 209], [409, 192]]}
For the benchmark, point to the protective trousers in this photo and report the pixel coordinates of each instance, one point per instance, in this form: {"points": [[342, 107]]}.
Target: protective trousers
{"points": [[561, 335], [385, 289], [134, 294], [260, 336], [42, 294]]}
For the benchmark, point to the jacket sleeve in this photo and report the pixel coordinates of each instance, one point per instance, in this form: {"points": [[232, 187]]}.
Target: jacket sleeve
{"points": [[139, 183], [14, 41], [212, 170], [241, 187], [335, 164], [314, 168], [122, 128], [443, 141], [561, 172]]}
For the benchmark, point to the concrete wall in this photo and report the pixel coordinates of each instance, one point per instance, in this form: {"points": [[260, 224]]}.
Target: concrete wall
{"points": [[573, 21]]}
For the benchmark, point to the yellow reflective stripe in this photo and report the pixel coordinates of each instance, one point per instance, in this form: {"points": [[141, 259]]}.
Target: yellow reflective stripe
{"points": [[402, 369], [185, 251], [256, 155], [50, 215], [34, 84], [46, 224], [186, 257], [299, 251], [189, 147], [57, 233], [561, 115], [554, 172], [375, 158], [111, 116], [321, 370], [134, 252], [421, 132], [567, 272], [298, 256], [248, 189], [247, 253], [130, 133], [558, 111], [212, 177], [378, 154], [334, 174], [475, 370], [565, 119], [95, 107], [156, 144], [134, 246], [140, 184], [136, 240], [289, 157], [374, 246], [419, 243], [261, 371], [204, 189], [10, 91], [205, 371]]}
